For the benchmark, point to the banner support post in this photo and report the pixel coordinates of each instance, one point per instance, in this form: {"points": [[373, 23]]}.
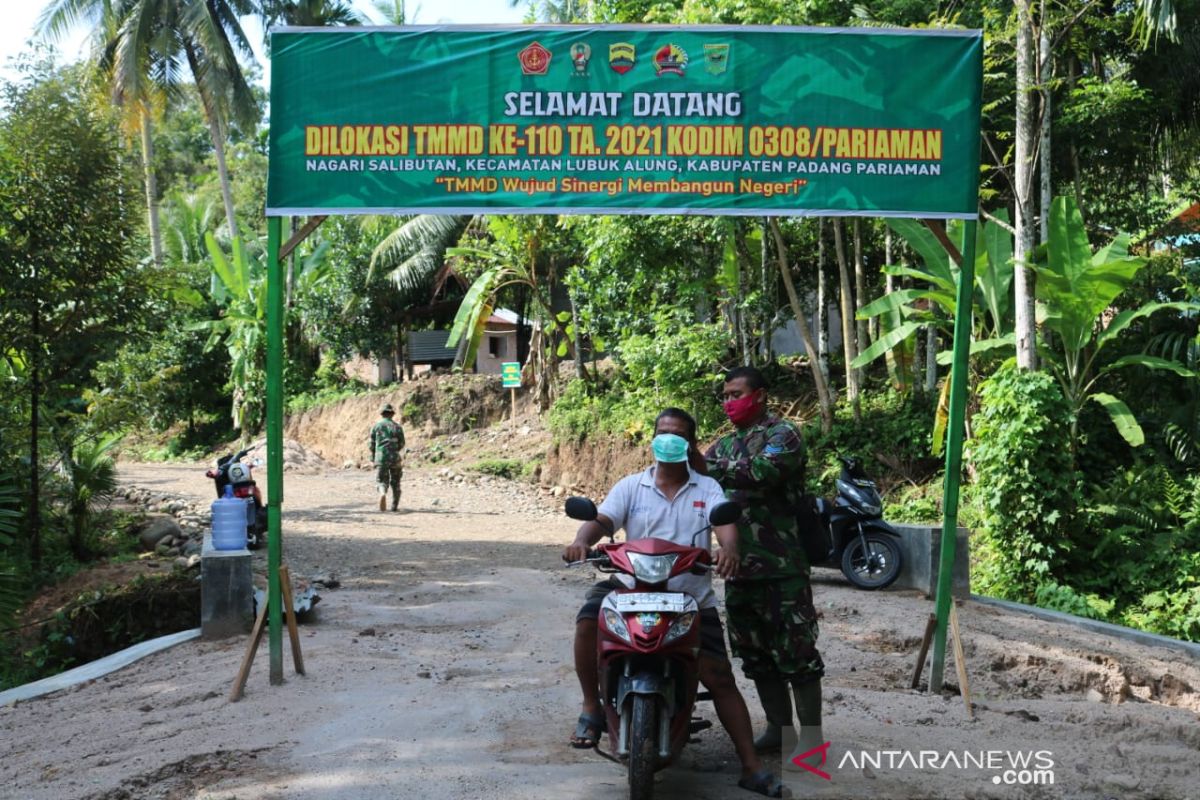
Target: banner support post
{"points": [[274, 422], [954, 444]]}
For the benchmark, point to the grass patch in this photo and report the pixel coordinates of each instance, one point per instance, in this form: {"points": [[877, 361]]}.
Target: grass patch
{"points": [[507, 468]]}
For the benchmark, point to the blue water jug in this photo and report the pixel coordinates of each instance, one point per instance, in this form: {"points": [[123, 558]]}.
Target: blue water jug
{"points": [[229, 522]]}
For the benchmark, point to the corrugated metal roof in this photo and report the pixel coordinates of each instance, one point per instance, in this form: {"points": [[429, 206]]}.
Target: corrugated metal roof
{"points": [[429, 347]]}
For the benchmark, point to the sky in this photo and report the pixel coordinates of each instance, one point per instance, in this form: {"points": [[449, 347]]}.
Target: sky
{"points": [[21, 17]]}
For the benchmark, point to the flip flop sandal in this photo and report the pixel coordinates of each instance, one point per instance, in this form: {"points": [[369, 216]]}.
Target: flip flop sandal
{"points": [[762, 782], [588, 729]]}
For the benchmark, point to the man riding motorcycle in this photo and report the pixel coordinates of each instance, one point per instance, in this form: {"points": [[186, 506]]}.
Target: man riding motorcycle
{"points": [[669, 501]]}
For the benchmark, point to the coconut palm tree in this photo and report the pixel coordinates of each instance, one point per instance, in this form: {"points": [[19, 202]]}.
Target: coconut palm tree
{"points": [[395, 12], [151, 41], [139, 94], [309, 13]]}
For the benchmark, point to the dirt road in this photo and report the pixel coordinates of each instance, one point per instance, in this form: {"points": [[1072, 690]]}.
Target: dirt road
{"points": [[441, 669]]}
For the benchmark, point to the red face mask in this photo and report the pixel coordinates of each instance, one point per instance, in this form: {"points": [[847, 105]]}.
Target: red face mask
{"points": [[744, 410]]}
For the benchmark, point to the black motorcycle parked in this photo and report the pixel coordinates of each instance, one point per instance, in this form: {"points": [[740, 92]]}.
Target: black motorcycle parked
{"points": [[230, 471], [859, 542]]}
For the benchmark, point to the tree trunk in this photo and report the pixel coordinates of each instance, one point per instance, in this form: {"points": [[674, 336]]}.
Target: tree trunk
{"points": [[768, 304], [290, 285], [822, 302], [861, 326], [35, 390], [1045, 73], [930, 358], [823, 397], [406, 365], [1076, 176], [151, 182], [849, 340], [577, 338], [211, 113], [1023, 189]]}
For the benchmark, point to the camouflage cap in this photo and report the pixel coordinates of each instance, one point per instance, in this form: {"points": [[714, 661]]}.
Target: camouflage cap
{"points": [[387, 409]]}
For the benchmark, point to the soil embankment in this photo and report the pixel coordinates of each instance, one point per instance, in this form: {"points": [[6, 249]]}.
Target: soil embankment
{"points": [[431, 406]]}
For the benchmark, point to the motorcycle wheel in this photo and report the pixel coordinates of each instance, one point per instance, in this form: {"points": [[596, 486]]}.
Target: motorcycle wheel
{"points": [[643, 747], [877, 568], [258, 533]]}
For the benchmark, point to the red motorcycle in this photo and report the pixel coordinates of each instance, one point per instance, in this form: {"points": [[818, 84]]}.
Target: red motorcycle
{"points": [[230, 471], [648, 643]]}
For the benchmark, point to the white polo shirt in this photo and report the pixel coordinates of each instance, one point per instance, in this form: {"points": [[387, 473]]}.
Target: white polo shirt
{"points": [[640, 507]]}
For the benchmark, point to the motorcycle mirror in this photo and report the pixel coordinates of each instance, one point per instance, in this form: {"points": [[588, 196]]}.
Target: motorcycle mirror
{"points": [[725, 513], [581, 508]]}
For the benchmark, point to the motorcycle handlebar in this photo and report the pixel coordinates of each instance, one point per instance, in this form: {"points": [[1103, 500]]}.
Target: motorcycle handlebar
{"points": [[593, 557]]}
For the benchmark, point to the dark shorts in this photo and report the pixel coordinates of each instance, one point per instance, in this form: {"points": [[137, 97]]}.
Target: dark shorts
{"points": [[712, 635]]}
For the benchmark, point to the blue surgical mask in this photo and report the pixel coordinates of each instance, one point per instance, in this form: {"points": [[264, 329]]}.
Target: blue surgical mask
{"points": [[669, 448]]}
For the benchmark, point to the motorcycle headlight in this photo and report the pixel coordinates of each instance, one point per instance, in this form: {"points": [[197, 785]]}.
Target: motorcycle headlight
{"points": [[617, 625], [680, 626], [652, 569]]}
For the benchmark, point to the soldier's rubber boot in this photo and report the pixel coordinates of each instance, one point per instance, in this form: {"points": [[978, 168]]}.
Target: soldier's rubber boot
{"points": [[808, 730], [382, 496], [776, 701], [395, 501]]}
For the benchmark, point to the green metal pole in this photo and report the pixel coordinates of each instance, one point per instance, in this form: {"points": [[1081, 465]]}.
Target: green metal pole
{"points": [[954, 444], [274, 445]]}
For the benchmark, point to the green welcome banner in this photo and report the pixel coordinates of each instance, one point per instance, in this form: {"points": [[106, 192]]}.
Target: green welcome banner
{"points": [[625, 119]]}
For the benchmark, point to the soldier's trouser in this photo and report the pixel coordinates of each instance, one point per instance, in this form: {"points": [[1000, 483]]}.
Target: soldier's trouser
{"points": [[773, 629], [388, 475]]}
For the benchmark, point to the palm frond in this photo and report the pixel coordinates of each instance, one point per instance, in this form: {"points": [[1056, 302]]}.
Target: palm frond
{"points": [[412, 253]]}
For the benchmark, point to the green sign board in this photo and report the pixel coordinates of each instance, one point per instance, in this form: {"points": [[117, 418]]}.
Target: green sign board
{"points": [[510, 375], [625, 119]]}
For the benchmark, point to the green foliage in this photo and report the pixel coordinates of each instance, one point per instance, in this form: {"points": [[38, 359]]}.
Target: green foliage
{"points": [[1057, 597], [91, 477], [1024, 480], [11, 584], [1075, 287], [892, 435], [240, 288], [907, 311], [507, 468], [678, 365]]}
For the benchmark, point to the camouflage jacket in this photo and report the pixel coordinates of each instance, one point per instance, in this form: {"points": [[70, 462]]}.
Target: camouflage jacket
{"points": [[762, 468], [386, 441]]}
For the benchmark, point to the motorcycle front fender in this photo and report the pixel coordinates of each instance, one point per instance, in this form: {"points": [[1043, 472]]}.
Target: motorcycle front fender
{"points": [[881, 526], [646, 683]]}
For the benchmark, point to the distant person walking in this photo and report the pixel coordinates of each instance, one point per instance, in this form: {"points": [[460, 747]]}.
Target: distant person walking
{"points": [[387, 440]]}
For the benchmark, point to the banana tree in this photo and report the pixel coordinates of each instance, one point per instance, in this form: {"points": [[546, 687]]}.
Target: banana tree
{"points": [[905, 312], [239, 286], [510, 258], [1075, 291]]}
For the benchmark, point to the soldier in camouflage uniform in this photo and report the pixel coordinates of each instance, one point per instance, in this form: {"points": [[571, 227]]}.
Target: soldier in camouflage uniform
{"points": [[772, 621], [386, 442]]}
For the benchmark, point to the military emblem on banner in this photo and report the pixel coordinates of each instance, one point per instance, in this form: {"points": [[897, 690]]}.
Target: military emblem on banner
{"points": [[670, 60], [621, 57], [716, 58], [581, 54], [535, 59]]}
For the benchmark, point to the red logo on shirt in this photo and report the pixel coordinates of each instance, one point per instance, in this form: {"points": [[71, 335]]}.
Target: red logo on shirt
{"points": [[698, 504]]}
